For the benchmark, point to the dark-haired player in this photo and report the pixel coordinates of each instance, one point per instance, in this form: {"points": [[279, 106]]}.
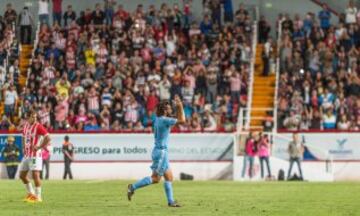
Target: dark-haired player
{"points": [[160, 166]]}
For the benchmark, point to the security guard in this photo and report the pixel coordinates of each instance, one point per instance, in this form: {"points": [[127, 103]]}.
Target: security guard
{"points": [[11, 157]]}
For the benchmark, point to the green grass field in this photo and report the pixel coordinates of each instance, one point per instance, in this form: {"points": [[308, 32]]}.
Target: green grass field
{"points": [[73, 198]]}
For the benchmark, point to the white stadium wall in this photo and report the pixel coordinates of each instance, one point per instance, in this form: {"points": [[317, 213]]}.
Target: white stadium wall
{"points": [[205, 156], [128, 156]]}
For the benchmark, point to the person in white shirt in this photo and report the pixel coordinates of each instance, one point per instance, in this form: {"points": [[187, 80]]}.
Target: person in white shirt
{"points": [[351, 12], [164, 88], [210, 124], [170, 41], [11, 98], [44, 11], [343, 124]]}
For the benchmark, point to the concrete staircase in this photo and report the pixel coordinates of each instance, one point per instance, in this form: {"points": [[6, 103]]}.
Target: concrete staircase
{"points": [[263, 92], [24, 63]]}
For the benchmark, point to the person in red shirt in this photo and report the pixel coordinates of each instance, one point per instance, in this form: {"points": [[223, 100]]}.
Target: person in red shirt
{"points": [[152, 101], [250, 153], [35, 138], [57, 11]]}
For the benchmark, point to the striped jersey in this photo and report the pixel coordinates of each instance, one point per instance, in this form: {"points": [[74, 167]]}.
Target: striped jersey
{"points": [[32, 134]]}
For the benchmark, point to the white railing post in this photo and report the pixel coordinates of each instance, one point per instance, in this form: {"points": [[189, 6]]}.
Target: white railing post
{"points": [[240, 120], [251, 77], [277, 75]]}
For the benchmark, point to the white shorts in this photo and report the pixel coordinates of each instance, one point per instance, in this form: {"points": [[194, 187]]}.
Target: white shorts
{"points": [[31, 164]]}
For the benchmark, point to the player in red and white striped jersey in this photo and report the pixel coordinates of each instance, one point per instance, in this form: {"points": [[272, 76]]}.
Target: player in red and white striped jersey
{"points": [[35, 138]]}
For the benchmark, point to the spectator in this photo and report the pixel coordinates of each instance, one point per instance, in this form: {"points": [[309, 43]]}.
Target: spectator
{"points": [[206, 26], [63, 87], [264, 153], [10, 15], [292, 122], [324, 17], [228, 11], [61, 111], [235, 87], [343, 124], [57, 11], [68, 151], [69, 16], [351, 12], [5, 123], [266, 56], [11, 101], [296, 151], [11, 154], [44, 11], [98, 16], [26, 21], [14, 73], [109, 11], [250, 152], [329, 119], [209, 121], [264, 29]]}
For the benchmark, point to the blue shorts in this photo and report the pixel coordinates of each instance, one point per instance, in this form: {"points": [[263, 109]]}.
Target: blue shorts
{"points": [[160, 161]]}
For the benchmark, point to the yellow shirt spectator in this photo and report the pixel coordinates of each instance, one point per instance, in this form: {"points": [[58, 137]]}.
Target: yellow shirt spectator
{"points": [[62, 87], [89, 56]]}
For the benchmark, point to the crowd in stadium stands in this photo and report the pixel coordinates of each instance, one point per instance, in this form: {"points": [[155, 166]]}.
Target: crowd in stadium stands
{"points": [[319, 85], [107, 68]]}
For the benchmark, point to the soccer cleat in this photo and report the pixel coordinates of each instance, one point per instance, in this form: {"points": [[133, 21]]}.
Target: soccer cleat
{"points": [[32, 199], [29, 196], [130, 192], [174, 205]]}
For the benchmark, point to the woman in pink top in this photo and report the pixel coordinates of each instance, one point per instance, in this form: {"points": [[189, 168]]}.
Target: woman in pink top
{"points": [[250, 152], [264, 153]]}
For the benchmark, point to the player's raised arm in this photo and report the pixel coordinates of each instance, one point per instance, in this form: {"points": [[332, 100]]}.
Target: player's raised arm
{"points": [[180, 115]]}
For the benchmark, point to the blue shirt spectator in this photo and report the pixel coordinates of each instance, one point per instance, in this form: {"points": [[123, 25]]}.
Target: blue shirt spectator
{"points": [[206, 26], [324, 17]]}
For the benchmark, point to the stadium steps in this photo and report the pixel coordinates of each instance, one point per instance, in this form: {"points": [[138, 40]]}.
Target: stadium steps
{"points": [[24, 63], [263, 91], [1, 108]]}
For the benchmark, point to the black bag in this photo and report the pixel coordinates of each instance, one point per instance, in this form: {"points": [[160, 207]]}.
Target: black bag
{"points": [[281, 175]]}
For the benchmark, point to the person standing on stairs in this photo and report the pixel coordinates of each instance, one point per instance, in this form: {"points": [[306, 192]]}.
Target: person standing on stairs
{"points": [[26, 21], [266, 56], [44, 12], [264, 29]]}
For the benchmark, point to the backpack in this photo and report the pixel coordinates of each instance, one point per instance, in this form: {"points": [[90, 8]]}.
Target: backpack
{"points": [[281, 175]]}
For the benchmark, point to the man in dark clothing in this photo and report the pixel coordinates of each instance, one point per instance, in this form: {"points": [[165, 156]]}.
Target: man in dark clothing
{"points": [[11, 157], [264, 30], [68, 151]]}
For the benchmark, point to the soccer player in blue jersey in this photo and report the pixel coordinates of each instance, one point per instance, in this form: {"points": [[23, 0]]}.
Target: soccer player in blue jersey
{"points": [[160, 166]]}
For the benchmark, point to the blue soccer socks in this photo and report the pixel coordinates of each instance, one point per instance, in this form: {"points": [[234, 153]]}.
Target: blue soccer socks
{"points": [[142, 183], [169, 192]]}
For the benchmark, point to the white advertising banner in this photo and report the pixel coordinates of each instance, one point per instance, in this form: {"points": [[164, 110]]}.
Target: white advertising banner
{"points": [[138, 147], [321, 146]]}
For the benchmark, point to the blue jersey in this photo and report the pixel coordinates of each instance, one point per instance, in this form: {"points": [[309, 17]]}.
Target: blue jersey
{"points": [[162, 127]]}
